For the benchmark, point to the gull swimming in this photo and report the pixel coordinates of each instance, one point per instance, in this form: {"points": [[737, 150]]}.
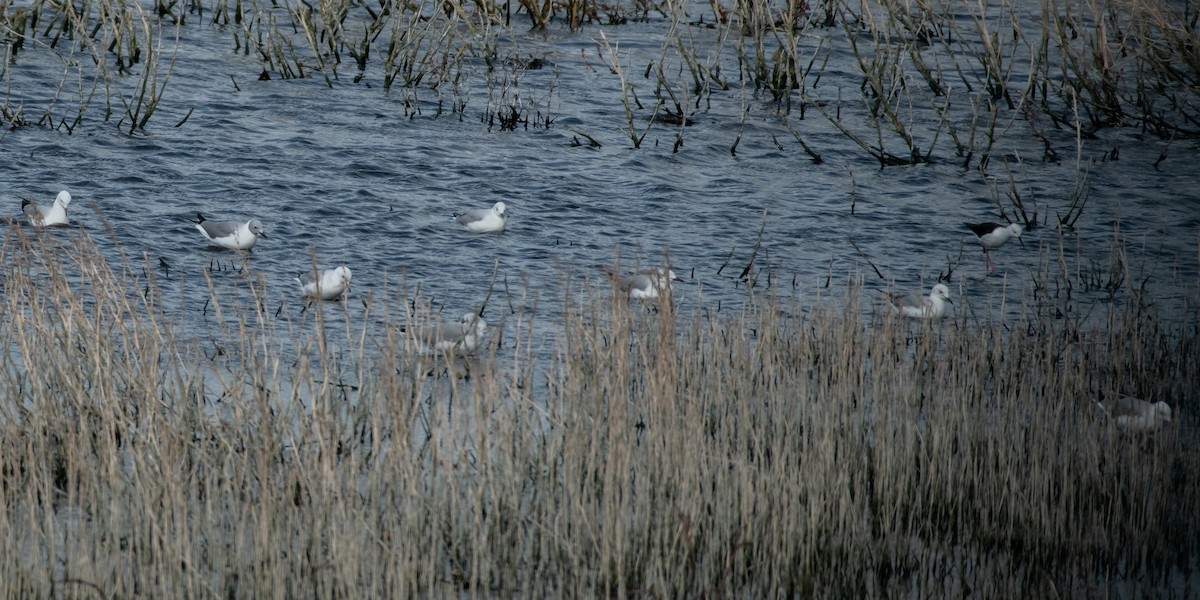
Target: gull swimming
{"points": [[484, 220], [644, 284], [462, 337], [231, 234], [44, 216], [931, 307], [327, 284], [1137, 415], [994, 235]]}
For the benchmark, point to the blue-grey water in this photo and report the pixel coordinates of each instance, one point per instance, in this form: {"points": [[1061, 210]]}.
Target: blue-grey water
{"points": [[347, 172], [356, 175]]}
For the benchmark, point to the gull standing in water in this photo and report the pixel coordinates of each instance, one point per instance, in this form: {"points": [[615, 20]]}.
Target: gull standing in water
{"points": [[994, 235], [931, 307], [327, 284], [44, 216], [462, 337], [484, 220], [231, 234]]}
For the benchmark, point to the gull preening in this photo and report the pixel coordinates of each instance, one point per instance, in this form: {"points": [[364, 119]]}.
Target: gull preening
{"points": [[231, 234], [645, 284], [484, 220], [1136, 415], [44, 216], [994, 235], [463, 337], [325, 284], [921, 307]]}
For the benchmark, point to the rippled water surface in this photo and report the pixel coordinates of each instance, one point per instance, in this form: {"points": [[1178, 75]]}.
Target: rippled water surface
{"points": [[356, 175]]}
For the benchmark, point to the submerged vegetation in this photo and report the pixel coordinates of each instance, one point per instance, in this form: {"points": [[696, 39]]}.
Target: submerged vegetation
{"points": [[787, 449], [902, 81]]}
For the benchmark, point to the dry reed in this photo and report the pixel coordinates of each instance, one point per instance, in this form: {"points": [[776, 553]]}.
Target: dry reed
{"points": [[786, 450]]}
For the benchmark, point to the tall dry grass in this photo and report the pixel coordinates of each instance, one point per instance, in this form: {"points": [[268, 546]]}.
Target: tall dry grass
{"points": [[788, 449]]}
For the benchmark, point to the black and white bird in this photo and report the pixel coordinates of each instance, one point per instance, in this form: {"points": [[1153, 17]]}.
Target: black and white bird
{"points": [[994, 235]]}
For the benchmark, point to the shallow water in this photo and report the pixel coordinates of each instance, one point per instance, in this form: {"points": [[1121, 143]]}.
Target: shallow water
{"points": [[355, 175], [352, 174]]}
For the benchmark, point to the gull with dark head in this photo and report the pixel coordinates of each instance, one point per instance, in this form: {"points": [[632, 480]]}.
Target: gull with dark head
{"points": [[921, 307], [44, 216], [231, 234], [484, 220], [325, 284]]}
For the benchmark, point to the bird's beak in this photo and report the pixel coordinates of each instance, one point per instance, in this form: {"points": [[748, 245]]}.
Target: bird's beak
{"points": [[264, 234]]}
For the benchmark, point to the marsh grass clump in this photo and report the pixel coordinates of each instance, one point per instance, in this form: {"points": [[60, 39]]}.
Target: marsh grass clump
{"points": [[904, 82], [789, 448]]}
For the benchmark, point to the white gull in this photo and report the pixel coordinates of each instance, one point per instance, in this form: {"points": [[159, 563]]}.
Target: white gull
{"points": [[930, 307], [43, 216], [231, 234], [463, 337], [484, 220], [327, 284]]}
